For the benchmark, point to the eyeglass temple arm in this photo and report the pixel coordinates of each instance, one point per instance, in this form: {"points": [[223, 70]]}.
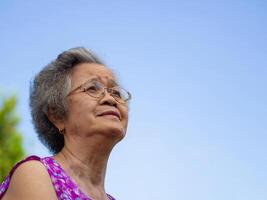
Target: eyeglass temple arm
{"points": [[74, 90]]}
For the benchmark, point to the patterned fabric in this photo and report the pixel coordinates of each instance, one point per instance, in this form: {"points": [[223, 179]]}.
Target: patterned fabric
{"points": [[65, 187]]}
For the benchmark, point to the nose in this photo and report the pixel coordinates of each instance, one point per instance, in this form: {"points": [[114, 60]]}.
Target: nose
{"points": [[107, 98]]}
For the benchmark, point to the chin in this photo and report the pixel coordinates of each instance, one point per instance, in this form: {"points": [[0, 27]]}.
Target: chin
{"points": [[112, 128], [115, 132]]}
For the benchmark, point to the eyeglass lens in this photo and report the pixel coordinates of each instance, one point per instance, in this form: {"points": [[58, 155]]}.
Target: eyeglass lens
{"points": [[96, 89]]}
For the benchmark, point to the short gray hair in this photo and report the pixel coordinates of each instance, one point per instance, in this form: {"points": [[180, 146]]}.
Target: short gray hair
{"points": [[49, 90]]}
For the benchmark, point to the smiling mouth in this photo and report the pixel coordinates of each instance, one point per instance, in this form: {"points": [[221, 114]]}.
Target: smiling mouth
{"points": [[110, 114], [113, 116]]}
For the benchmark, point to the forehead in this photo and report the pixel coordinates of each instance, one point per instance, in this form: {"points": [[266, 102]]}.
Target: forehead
{"points": [[85, 71]]}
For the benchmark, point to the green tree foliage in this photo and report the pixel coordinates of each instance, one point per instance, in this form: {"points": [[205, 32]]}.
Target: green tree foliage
{"points": [[11, 149]]}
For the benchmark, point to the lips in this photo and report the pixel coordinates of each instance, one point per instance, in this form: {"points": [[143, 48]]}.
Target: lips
{"points": [[110, 112]]}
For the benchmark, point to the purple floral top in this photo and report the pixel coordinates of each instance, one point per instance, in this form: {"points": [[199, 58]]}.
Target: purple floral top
{"points": [[65, 187]]}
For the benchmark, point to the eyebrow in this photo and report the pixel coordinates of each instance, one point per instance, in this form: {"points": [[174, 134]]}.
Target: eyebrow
{"points": [[111, 82]]}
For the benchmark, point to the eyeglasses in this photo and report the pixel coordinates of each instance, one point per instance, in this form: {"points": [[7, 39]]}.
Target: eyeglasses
{"points": [[97, 90]]}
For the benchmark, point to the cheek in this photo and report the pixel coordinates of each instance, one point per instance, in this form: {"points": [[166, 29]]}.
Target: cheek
{"points": [[79, 110], [125, 116]]}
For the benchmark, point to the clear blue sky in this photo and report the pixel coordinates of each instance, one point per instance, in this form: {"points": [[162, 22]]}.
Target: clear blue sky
{"points": [[198, 74]]}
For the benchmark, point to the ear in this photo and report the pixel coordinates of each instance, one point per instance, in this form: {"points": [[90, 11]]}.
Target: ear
{"points": [[51, 115]]}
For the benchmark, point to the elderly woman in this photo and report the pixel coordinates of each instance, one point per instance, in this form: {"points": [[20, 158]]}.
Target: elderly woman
{"points": [[80, 112]]}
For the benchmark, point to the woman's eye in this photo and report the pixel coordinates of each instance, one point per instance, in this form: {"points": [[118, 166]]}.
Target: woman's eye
{"points": [[117, 93], [92, 88]]}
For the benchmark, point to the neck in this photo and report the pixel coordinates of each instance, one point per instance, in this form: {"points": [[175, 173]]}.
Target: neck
{"points": [[86, 161]]}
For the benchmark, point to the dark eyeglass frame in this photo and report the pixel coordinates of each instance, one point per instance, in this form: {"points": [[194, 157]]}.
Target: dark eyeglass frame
{"points": [[104, 89]]}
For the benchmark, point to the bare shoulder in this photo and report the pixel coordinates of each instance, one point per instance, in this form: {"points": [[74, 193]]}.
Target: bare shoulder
{"points": [[30, 181]]}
